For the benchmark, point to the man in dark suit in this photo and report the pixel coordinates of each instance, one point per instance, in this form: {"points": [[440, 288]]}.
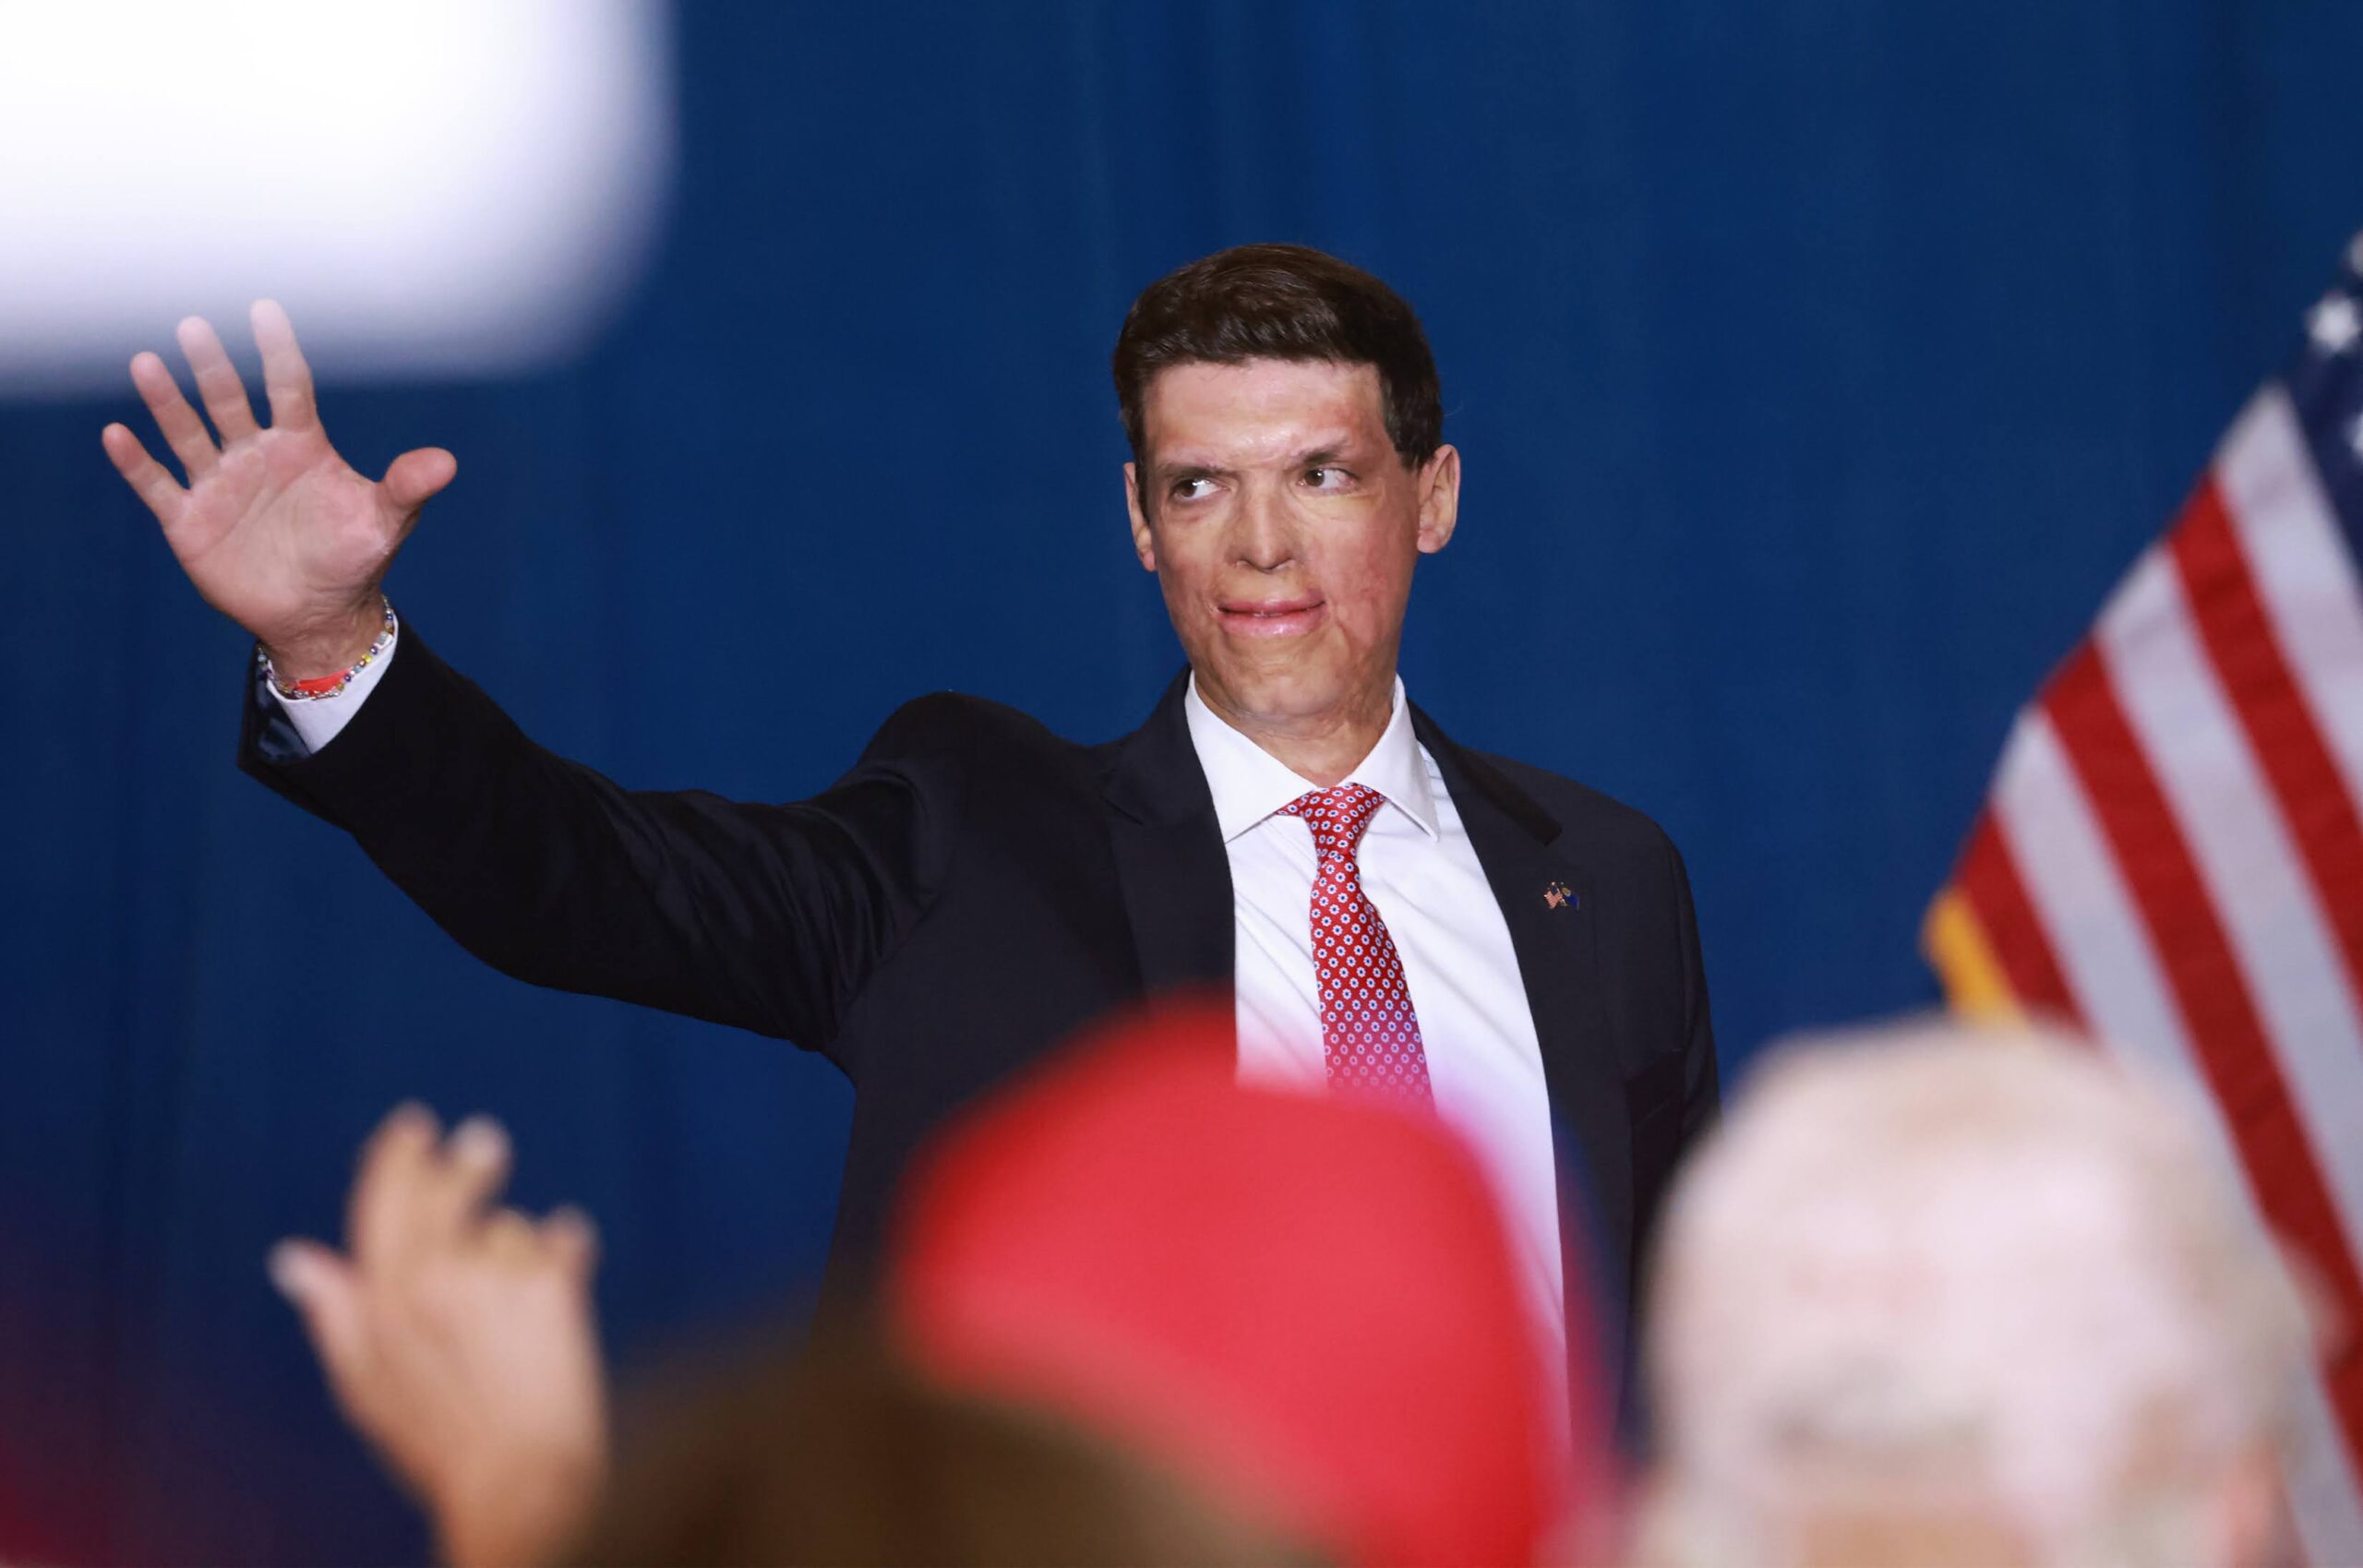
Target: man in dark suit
{"points": [[1393, 914]]}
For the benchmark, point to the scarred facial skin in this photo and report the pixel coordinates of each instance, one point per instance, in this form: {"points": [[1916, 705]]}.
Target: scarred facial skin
{"points": [[1283, 528]]}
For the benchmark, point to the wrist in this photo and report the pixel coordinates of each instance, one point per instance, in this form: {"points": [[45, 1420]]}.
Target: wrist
{"points": [[311, 689], [329, 648], [524, 1509]]}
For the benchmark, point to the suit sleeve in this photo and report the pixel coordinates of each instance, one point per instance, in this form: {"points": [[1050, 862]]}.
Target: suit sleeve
{"points": [[767, 917]]}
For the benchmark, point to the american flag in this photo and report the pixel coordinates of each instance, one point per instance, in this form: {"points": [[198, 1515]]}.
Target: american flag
{"points": [[2171, 853]]}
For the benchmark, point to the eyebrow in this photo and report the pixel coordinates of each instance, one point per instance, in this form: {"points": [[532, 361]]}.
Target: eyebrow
{"points": [[1323, 455]]}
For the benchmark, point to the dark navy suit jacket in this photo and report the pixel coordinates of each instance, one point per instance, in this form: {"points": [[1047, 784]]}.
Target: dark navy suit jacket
{"points": [[974, 891]]}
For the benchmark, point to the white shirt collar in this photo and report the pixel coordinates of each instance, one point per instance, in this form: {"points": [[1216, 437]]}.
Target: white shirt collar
{"points": [[1249, 783]]}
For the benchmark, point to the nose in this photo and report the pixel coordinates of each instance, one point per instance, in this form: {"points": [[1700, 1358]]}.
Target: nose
{"points": [[1265, 536]]}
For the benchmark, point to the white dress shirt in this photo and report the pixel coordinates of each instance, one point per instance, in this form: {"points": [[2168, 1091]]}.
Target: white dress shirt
{"points": [[1422, 872]]}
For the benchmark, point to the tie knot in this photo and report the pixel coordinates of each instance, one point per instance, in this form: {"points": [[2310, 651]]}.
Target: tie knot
{"points": [[1336, 815]]}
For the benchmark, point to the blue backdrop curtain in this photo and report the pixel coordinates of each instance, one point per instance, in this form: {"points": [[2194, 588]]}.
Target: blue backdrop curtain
{"points": [[1816, 366]]}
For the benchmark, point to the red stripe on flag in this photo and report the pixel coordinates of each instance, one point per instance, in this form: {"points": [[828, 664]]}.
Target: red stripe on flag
{"points": [[2212, 994], [1988, 878], [2247, 656]]}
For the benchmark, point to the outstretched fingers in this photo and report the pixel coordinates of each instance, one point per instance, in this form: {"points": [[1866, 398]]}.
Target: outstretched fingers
{"points": [[396, 1162], [217, 379], [284, 375], [473, 1168], [151, 479], [183, 432]]}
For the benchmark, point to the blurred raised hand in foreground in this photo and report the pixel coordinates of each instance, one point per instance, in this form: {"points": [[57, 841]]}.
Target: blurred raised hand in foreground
{"points": [[458, 1338]]}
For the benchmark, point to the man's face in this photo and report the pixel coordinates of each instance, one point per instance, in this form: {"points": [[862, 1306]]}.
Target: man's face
{"points": [[1283, 528]]}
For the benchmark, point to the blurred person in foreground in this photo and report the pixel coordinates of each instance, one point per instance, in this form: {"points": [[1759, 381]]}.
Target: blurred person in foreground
{"points": [[1389, 912], [1939, 1296], [1066, 1374]]}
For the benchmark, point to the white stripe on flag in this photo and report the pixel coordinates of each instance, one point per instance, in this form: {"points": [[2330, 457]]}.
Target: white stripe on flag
{"points": [[2212, 782], [2105, 956], [2301, 567], [2082, 903]]}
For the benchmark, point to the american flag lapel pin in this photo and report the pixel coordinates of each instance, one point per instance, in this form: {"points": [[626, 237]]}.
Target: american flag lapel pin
{"points": [[1559, 896]]}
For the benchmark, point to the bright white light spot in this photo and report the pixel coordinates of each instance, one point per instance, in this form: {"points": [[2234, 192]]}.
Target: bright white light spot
{"points": [[2333, 323], [433, 187]]}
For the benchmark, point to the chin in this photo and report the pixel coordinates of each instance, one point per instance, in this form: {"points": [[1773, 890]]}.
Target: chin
{"points": [[1279, 694]]}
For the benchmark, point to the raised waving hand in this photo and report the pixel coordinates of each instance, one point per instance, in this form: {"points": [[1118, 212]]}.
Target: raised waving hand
{"points": [[277, 531]]}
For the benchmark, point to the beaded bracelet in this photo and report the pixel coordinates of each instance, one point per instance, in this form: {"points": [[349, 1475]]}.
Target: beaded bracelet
{"points": [[318, 686]]}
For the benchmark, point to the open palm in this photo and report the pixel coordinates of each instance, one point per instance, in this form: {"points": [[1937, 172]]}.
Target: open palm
{"points": [[277, 531]]}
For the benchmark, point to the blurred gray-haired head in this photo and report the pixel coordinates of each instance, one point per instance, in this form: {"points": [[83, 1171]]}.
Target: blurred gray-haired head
{"points": [[1940, 1294]]}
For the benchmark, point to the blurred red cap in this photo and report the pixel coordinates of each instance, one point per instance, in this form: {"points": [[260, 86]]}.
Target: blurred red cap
{"points": [[1306, 1302]]}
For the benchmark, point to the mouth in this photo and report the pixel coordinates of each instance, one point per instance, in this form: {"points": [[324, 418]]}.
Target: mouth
{"points": [[1269, 618]]}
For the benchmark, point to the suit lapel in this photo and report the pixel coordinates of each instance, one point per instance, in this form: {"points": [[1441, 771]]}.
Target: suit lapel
{"points": [[1168, 851], [1526, 860]]}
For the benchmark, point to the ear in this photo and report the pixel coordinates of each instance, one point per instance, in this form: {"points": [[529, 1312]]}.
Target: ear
{"points": [[1143, 542], [1439, 483]]}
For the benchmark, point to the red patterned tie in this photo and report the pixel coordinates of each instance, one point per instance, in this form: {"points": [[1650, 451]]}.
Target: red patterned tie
{"points": [[1369, 1034]]}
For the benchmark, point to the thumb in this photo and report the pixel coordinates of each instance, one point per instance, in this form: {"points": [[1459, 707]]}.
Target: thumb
{"points": [[326, 1294], [414, 477]]}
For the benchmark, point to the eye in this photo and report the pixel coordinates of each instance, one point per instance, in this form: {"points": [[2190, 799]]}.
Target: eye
{"points": [[1328, 476], [1191, 489]]}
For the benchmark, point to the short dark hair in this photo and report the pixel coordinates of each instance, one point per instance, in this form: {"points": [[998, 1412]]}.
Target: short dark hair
{"points": [[1281, 302]]}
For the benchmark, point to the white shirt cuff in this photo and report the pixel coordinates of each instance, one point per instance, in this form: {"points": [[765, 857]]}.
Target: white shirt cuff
{"points": [[319, 720]]}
